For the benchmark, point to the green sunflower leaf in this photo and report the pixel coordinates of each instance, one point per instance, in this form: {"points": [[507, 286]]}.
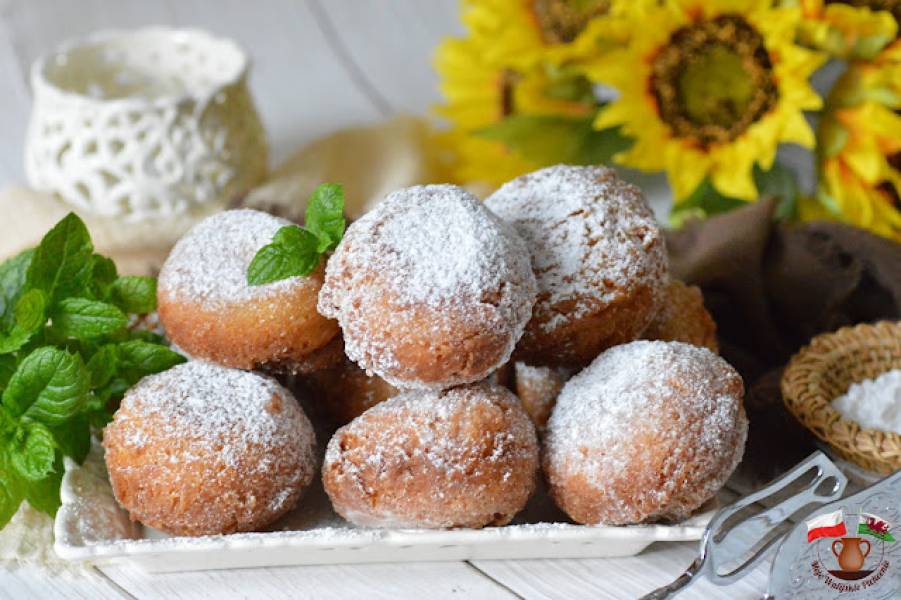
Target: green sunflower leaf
{"points": [[551, 139]]}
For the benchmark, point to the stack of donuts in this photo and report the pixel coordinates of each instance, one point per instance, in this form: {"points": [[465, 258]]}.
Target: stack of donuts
{"points": [[463, 349]]}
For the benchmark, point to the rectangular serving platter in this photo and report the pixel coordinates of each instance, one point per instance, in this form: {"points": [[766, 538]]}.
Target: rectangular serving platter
{"points": [[91, 526]]}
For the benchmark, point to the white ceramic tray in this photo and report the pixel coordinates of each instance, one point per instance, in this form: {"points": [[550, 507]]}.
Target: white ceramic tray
{"points": [[91, 526]]}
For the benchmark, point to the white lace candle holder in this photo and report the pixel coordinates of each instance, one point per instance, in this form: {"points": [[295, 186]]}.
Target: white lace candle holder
{"points": [[145, 124]]}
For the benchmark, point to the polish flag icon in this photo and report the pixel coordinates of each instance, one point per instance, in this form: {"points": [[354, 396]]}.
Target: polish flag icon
{"points": [[828, 525]]}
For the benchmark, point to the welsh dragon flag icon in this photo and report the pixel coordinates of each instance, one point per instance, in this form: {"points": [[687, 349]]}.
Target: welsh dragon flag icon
{"points": [[874, 526]]}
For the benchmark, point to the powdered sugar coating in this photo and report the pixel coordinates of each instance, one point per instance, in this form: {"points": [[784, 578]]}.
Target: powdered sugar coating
{"points": [[208, 265], [429, 262], [648, 431], [200, 429], [463, 457], [592, 237]]}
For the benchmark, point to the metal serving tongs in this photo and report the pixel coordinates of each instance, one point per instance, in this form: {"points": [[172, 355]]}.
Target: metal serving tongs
{"points": [[741, 535]]}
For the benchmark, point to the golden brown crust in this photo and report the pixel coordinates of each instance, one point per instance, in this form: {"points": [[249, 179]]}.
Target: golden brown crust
{"points": [[649, 432], [579, 340], [435, 345], [465, 457], [209, 482], [281, 328], [683, 318], [598, 256], [431, 289]]}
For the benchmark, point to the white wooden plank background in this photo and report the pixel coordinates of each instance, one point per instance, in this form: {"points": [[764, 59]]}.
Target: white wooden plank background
{"points": [[318, 65]]}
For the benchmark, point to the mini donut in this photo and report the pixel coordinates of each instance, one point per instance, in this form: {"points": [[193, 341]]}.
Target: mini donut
{"points": [[431, 288], [537, 389], [209, 310], [683, 318], [648, 432], [464, 457], [343, 392], [201, 449], [328, 357], [598, 256]]}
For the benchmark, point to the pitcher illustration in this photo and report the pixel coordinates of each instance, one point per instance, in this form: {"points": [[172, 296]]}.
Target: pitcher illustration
{"points": [[850, 558]]}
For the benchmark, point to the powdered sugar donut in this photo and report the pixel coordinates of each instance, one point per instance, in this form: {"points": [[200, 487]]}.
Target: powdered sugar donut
{"points": [[431, 289], [201, 449], [649, 431], [537, 388], [598, 256], [464, 457], [344, 391], [683, 318], [209, 310]]}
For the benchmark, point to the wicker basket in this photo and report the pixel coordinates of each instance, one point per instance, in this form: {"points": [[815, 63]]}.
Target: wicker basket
{"points": [[824, 370]]}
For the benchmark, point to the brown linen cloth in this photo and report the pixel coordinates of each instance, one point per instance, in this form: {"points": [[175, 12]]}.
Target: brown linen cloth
{"points": [[771, 287]]}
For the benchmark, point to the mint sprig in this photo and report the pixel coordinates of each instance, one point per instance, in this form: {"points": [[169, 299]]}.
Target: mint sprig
{"points": [[66, 357], [296, 251]]}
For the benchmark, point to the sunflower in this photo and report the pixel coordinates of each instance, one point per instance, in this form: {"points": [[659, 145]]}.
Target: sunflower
{"points": [[478, 94], [519, 59], [859, 145], [855, 29], [520, 33], [707, 89]]}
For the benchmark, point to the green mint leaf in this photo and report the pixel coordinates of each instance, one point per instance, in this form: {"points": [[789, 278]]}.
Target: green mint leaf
{"points": [[30, 314], [43, 495], [103, 365], [146, 336], [547, 140], [134, 294], [12, 285], [138, 358], [7, 368], [31, 310], [87, 319], [33, 453], [325, 216], [49, 386], [8, 425], [111, 392], [62, 263], [295, 253], [14, 340], [103, 274], [74, 438], [11, 492]]}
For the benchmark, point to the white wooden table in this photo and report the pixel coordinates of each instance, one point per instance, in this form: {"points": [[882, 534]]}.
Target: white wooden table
{"points": [[318, 65]]}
